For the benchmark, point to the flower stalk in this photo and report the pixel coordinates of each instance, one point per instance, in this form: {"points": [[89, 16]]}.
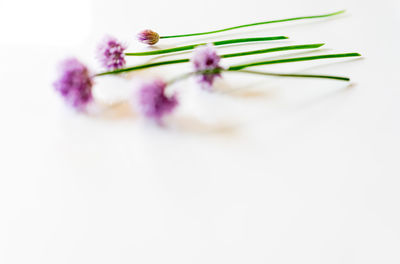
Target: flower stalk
{"points": [[216, 43], [273, 74], [339, 78], [308, 58], [254, 24]]}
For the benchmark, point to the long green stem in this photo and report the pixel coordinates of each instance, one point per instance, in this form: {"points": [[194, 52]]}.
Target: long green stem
{"points": [[254, 24], [277, 49], [329, 56], [143, 66], [292, 75], [231, 55], [339, 78], [216, 43]]}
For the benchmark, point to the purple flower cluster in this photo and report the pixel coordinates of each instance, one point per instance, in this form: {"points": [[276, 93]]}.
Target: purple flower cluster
{"points": [[205, 58], [74, 83], [153, 102], [111, 54], [148, 37]]}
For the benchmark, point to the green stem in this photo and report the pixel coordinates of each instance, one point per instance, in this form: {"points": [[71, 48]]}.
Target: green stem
{"points": [[339, 78], [143, 66], [231, 55], [330, 56], [216, 71], [262, 51], [216, 43], [254, 24]]}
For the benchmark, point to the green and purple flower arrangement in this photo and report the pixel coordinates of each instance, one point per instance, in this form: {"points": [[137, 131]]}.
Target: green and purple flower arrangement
{"points": [[75, 81]]}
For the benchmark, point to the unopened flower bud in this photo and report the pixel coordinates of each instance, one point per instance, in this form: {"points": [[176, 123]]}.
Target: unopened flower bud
{"points": [[148, 37]]}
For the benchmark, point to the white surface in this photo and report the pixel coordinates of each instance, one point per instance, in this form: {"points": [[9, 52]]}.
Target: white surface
{"points": [[263, 171]]}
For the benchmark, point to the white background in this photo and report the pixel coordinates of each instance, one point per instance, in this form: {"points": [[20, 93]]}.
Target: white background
{"points": [[263, 170]]}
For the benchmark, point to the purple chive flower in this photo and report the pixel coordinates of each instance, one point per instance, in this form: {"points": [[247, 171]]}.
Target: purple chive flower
{"points": [[111, 54], [205, 58], [75, 83], [153, 102], [148, 37]]}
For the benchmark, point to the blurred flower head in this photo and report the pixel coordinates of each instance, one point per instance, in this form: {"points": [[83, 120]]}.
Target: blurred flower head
{"points": [[153, 102], [205, 58], [148, 37], [74, 83], [110, 53]]}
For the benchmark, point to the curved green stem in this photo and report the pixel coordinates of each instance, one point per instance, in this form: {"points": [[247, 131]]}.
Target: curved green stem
{"points": [[216, 43], [330, 56], [339, 78], [143, 66], [254, 24], [292, 75], [231, 55], [277, 49]]}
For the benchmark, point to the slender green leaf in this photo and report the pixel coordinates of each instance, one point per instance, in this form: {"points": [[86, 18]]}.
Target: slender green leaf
{"points": [[339, 78], [262, 51], [310, 58], [216, 43], [143, 66], [254, 24]]}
